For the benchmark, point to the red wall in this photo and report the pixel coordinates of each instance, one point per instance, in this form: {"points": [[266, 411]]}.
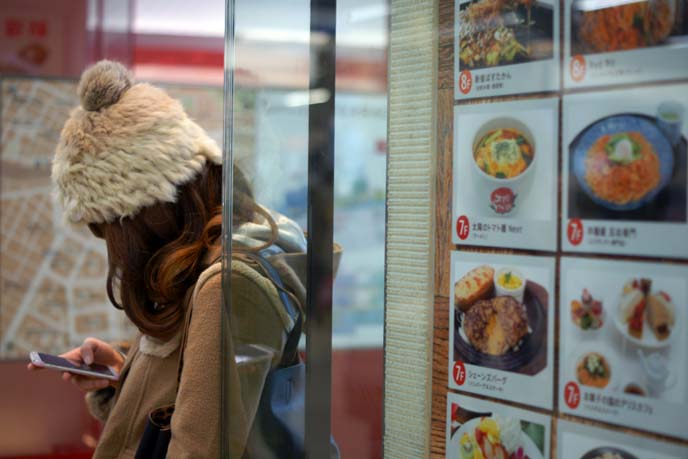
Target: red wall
{"points": [[357, 377], [41, 416]]}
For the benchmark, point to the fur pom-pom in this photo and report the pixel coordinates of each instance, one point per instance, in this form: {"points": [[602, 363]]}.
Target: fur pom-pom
{"points": [[102, 84]]}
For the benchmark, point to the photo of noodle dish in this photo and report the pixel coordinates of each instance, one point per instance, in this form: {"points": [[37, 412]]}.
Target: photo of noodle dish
{"points": [[504, 153], [621, 26], [494, 437], [622, 162], [504, 156], [502, 32]]}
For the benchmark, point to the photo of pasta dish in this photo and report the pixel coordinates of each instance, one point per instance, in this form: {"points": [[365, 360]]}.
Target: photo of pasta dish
{"points": [[628, 25], [622, 168], [624, 163]]}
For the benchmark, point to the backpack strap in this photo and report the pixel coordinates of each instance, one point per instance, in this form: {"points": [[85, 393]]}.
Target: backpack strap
{"points": [[291, 347]]}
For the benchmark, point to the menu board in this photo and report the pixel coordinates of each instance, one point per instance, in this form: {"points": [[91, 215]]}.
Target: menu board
{"points": [[565, 260], [579, 441], [505, 47], [623, 341], [502, 326], [624, 174], [480, 429], [505, 164], [609, 43]]}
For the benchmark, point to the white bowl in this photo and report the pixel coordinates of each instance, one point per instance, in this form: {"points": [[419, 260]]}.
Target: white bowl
{"points": [[503, 291], [490, 188]]}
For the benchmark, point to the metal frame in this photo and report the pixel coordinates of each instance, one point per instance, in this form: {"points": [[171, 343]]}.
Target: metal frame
{"points": [[227, 206], [320, 227]]}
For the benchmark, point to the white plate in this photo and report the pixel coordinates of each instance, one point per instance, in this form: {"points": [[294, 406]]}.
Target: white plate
{"points": [[529, 446], [649, 339]]}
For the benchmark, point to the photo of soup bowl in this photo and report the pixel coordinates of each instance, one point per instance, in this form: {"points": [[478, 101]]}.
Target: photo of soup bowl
{"points": [[502, 141]]}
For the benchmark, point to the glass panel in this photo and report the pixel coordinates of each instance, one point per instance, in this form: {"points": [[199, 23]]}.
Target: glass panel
{"points": [[270, 123], [359, 219], [269, 148]]}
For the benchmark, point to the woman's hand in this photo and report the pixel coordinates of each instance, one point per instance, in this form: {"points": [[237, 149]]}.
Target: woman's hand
{"points": [[91, 351]]}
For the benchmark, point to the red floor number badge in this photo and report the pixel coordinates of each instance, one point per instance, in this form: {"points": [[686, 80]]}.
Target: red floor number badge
{"points": [[459, 373], [577, 68], [462, 227], [465, 82], [572, 395], [574, 231]]}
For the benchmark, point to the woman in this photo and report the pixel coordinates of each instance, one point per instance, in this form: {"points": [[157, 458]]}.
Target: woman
{"points": [[147, 179]]}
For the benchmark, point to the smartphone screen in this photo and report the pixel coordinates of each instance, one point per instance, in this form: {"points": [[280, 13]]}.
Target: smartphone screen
{"points": [[95, 370]]}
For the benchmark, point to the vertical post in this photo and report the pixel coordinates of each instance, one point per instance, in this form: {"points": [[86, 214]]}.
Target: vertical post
{"points": [[320, 228], [227, 205]]}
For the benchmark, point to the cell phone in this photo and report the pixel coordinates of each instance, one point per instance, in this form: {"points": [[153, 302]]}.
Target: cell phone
{"points": [[54, 362]]}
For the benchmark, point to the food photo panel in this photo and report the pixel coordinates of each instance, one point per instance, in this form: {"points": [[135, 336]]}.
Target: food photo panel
{"points": [[505, 47], [478, 429], [624, 172], [505, 174], [617, 42], [623, 341], [502, 329], [580, 441]]}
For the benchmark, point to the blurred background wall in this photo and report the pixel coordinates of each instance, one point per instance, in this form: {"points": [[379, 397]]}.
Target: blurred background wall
{"points": [[52, 277]]}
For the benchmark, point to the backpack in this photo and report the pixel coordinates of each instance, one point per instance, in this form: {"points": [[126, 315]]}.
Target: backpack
{"points": [[278, 428]]}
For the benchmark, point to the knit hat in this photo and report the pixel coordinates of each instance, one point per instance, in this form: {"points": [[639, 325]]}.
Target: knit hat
{"points": [[126, 147]]}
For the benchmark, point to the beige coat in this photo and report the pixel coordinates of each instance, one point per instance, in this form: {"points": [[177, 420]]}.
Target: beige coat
{"points": [[149, 375]]}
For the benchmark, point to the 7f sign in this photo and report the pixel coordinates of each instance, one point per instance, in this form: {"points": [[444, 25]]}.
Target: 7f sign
{"points": [[459, 373], [462, 227]]}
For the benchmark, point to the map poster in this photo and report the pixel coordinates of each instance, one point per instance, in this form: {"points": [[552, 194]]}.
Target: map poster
{"points": [[623, 343], [580, 441], [625, 172], [501, 336], [52, 275], [478, 428], [505, 174], [611, 43], [509, 47]]}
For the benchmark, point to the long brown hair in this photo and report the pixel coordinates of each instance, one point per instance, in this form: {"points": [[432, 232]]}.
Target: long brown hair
{"points": [[155, 257]]}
